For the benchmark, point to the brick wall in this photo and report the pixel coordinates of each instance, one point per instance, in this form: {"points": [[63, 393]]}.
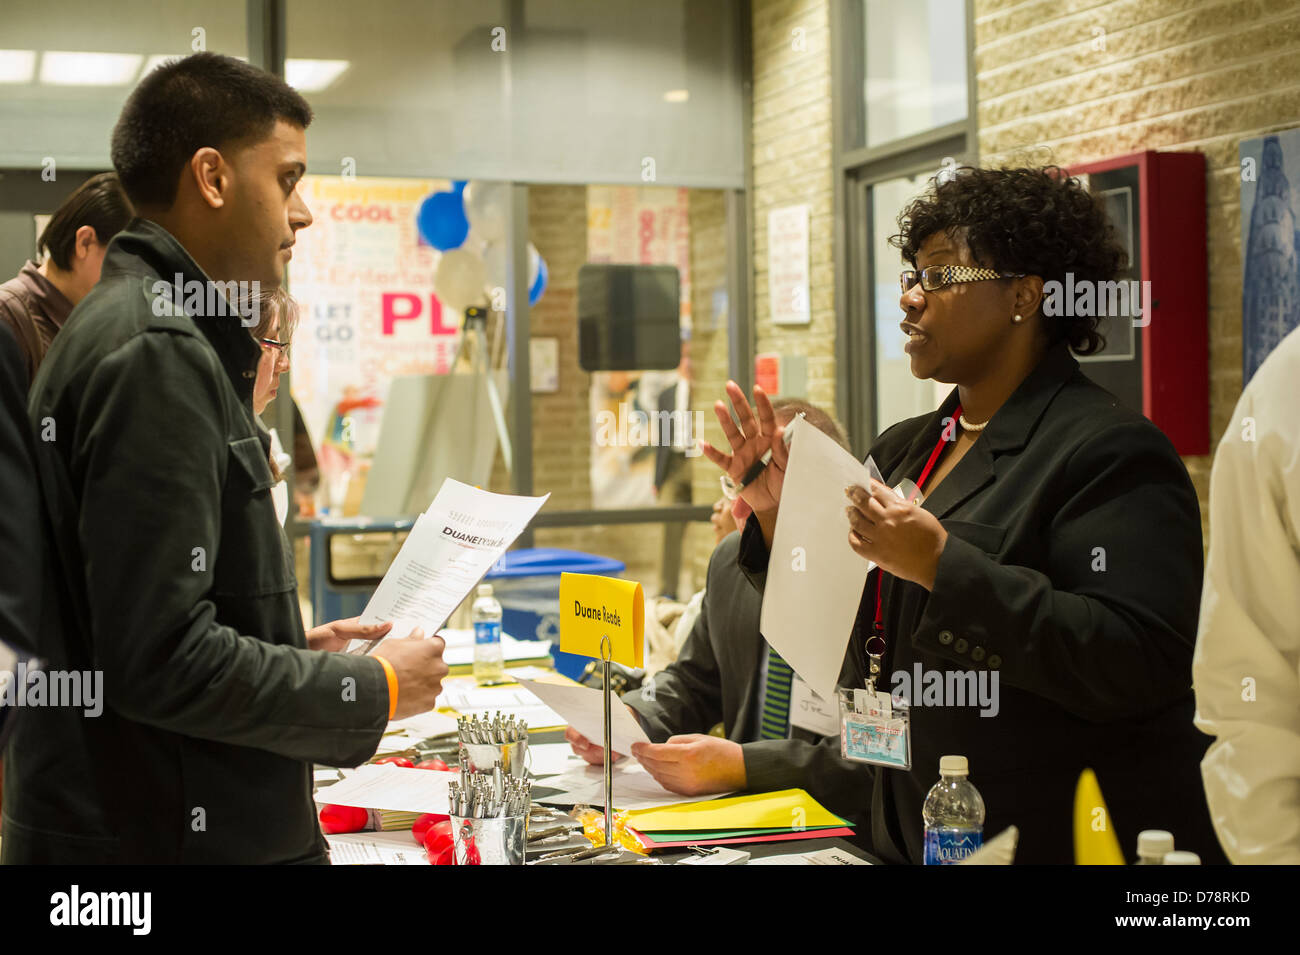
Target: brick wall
{"points": [[1089, 80], [792, 165]]}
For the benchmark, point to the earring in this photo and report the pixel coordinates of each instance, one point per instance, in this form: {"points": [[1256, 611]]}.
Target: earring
{"points": [[1017, 319]]}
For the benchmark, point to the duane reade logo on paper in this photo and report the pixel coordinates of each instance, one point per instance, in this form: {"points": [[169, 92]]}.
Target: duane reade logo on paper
{"points": [[78, 908]]}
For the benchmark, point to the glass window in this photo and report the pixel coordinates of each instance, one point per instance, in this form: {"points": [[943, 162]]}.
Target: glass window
{"points": [[899, 395], [915, 67]]}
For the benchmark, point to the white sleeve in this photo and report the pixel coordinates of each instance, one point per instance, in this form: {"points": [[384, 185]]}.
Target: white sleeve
{"points": [[1246, 668]]}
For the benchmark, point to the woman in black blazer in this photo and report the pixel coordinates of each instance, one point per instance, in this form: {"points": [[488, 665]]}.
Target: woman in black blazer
{"points": [[1058, 546]]}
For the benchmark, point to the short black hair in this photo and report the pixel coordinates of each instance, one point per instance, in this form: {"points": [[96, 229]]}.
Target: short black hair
{"points": [[1037, 221], [184, 105], [100, 203]]}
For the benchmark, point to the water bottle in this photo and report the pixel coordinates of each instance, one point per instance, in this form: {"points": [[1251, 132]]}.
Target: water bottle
{"points": [[489, 665], [953, 814], [1153, 844]]}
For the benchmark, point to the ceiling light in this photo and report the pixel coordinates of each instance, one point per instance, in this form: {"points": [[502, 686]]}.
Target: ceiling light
{"points": [[60, 68], [312, 76], [17, 66]]}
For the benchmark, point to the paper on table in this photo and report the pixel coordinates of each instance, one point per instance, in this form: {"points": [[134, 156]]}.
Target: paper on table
{"points": [[385, 786], [467, 699], [424, 725], [831, 856], [808, 613], [375, 848], [547, 759], [452, 545], [583, 708], [634, 788]]}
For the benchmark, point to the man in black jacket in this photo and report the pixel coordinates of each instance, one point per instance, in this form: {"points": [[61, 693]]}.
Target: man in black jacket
{"points": [[172, 576]]}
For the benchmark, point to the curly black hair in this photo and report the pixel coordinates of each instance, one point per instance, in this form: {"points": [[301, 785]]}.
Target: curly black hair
{"points": [[1038, 221]]}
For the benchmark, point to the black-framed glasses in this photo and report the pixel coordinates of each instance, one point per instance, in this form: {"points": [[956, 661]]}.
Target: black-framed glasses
{"points": [[283, 347], [941, 276]]}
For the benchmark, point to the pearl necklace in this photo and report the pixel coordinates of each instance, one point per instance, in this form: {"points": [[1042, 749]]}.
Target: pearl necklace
{"points": [[966, 425]]}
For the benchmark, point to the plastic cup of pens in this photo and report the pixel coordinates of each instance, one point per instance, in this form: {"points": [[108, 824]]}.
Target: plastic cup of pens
{"points": [[489, 819], [489, 744]]}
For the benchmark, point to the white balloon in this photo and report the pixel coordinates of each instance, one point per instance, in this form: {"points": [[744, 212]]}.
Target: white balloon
{"points": [[459, 279], [494, 260], [485, 207]]}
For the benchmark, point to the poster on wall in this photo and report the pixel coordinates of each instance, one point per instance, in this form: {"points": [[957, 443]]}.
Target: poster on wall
{"points": [[363, 280], [787, 265], [647, 225], [1270, 296]]}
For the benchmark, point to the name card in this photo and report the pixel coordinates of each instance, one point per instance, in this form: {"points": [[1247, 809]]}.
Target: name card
{"points": [[593, 607]]}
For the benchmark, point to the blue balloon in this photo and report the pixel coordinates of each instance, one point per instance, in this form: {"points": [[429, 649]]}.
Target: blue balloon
{"points": [[539, 284], [441, 219]]}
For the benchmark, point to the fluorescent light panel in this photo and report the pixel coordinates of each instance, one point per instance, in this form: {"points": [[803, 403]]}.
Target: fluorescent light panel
{"points": [[63, 68], [17, 66], [312, 76]]}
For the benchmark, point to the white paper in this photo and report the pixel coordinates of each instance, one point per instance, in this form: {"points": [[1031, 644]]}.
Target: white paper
{"points": [[513, 701], [423, 725], [376, 848], [831, 856], [452, 545], [814, 579], [385, 786], [634, 788], [548, 759], [583, 708]]}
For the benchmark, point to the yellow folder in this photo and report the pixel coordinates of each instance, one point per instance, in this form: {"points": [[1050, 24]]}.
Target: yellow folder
{"points": [[787, 809]]}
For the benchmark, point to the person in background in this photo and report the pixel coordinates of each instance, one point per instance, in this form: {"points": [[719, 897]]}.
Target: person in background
{"points": [[174, 580], [22, 535], [1058, 547], [728, 674], [1246, 670], [37, 301]]}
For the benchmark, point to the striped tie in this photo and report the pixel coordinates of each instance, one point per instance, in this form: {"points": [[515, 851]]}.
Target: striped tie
{"points": [[776, 698]]}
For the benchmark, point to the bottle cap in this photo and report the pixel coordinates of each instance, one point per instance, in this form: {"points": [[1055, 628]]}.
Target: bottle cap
{"points": [[1155, 843], [485, 590], [1182, 858], [953, 766]]}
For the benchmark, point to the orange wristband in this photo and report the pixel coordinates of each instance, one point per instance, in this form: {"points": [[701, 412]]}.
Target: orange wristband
{"points": [[392, 685]]}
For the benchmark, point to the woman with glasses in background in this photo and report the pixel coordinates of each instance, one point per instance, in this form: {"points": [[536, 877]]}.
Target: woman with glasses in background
{"points": [[1057, 554]]}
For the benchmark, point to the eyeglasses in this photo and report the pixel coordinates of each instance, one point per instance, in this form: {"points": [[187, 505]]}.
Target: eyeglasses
{"points": [[941, 276], [282, 346]]}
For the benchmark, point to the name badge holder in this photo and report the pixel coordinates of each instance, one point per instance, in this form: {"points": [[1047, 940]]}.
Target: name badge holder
{"points": [[875, 728]]}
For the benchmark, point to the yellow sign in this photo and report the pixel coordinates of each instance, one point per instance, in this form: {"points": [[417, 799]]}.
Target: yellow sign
{"points": [[1094, 836], [593, 607]]}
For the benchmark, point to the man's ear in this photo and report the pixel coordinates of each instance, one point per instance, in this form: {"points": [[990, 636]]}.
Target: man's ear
{"points": [[85, 239], [211, 176]]}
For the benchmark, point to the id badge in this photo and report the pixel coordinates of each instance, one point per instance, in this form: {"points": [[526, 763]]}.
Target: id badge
{"points": [[875, 728]]}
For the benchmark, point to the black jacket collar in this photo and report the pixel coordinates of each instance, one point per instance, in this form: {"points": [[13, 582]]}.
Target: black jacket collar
{"points": [[147, 249], [1008, 430]]}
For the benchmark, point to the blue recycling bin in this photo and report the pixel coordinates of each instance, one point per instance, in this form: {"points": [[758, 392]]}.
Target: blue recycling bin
{"points": [[527, 583]]}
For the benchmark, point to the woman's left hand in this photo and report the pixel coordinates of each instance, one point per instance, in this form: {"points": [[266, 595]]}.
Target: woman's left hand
{"points": [[337, 635], [903, 538]]}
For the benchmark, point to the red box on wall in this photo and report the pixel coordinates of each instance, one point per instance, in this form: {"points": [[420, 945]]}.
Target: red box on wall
{"points": [[1166, 371]]}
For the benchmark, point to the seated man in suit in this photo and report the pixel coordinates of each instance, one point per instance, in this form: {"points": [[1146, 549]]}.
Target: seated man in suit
{"points": [[727, 673]]}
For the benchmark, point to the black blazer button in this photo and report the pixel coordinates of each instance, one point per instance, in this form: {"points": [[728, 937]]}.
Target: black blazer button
{"points": [[995, 661], [945, 637], [977, 654], [961, 645]]}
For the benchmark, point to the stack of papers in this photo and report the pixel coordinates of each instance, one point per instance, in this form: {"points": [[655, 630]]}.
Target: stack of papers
{"points": [[452, 545], [764, 817], [459, 653], [634, 788], [395, 788]]}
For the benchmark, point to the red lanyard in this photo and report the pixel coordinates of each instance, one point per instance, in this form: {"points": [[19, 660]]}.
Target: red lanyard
{"points": [[878, 627]]}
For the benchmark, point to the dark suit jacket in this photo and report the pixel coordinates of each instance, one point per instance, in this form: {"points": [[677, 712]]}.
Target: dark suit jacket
{"points": [[715, 678], [214, 709], [1094, 664]]}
